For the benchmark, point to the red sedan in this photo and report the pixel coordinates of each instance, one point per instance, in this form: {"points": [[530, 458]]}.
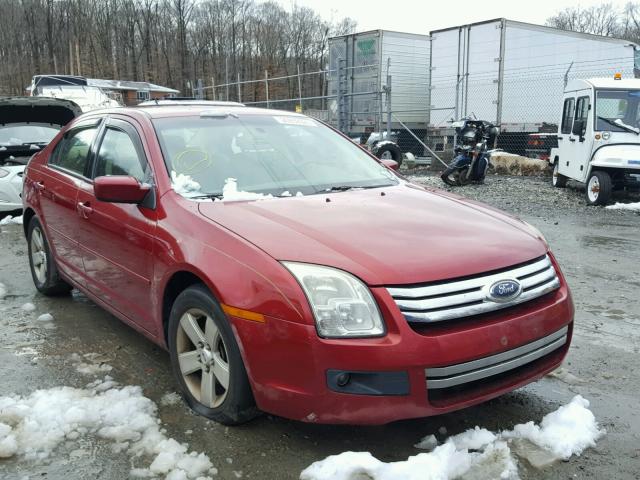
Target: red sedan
{"points": [[288, 271]]}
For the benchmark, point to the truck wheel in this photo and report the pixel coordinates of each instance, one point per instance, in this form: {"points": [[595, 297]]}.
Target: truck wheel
{"points": [[388, 151], [599, 188], [558, 180]]}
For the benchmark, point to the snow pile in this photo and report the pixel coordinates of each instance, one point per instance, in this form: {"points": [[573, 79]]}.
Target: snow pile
{"points": [[45, 317], [625, 206], [170, 398], [11, 220], [565, 432], [33, 426], [230, 192], [184, 184]]}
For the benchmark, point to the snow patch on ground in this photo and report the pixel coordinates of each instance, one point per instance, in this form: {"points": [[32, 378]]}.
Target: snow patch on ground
{"points": [[28, 307], [90, 364], [11, 220], [170, 398], [635, 207], [33, 426], [45, 317], [565, 432]]}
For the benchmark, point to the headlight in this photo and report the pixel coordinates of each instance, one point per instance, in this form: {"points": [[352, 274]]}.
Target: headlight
{"points": [[3, 172], [342, 305]]}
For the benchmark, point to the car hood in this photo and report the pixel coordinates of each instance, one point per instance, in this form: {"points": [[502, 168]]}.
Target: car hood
{"points": [[42, 110], [396, 235]]}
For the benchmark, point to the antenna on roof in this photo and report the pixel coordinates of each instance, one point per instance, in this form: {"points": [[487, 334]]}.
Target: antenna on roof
{"points": [[566, 75]]}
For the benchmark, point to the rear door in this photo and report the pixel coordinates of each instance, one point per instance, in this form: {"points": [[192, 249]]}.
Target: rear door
{"points": [[57, 186], [116, 239]]}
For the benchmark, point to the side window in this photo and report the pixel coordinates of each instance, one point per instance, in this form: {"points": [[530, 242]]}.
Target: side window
{"points": [[72, 153], [582, 111], [567, 115], [118, 155]]}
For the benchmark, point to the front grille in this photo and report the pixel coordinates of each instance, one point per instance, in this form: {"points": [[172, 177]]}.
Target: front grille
{"points": [[464, 298], [462, 373]]}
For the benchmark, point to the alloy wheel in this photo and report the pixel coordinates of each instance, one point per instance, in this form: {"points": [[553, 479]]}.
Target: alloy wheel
{"points": [[202, 356], [38, 255]]}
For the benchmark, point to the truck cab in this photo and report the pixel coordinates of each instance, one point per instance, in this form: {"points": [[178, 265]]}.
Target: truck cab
{"points": [[599, 137]]}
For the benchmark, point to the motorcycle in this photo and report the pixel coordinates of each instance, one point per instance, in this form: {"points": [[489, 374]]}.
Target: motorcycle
{"points": [[472, 153]]}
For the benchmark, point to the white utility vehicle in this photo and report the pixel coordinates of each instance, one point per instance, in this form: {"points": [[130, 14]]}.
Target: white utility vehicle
{"points": [[599, 137]]}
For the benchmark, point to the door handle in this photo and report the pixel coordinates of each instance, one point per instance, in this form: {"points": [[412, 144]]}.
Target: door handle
{"points": [[39, 186], [84, 209], [571, 139], [559, 138]]}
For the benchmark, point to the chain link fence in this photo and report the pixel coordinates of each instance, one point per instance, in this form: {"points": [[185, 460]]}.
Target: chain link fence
{"points": [[417, 112]]}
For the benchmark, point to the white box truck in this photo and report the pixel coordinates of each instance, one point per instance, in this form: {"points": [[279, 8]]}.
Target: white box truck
{"points": [[599, 136], [358, 67], [513, 73]]}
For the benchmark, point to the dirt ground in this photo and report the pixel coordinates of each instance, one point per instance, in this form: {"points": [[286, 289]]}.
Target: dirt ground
{"points": [[597, 248]]}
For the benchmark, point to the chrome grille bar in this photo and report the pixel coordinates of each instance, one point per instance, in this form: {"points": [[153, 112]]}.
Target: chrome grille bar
{"points": [[463, 298], [450, 376]]}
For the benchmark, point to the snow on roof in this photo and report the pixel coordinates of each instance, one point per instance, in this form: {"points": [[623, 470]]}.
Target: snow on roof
{"points": [[129, 85]]}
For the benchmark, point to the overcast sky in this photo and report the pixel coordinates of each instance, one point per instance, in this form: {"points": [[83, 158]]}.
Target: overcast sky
{"points": [[421, 16]]}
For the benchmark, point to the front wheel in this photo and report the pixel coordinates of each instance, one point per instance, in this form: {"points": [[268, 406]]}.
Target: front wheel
{"points": [[42, 264], [450, 177], [206, 359], [558, 180], [599, 188]]}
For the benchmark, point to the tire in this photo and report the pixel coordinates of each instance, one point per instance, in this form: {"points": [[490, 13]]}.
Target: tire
{"points": [[388, 150], [44, 271], [558, 180], [450, 177], [599, 188], [205, 355], [463, 179]]}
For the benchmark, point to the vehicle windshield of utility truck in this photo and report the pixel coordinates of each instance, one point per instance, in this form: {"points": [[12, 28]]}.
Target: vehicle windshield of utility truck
{"points": [[618, 110], [265, 154]]}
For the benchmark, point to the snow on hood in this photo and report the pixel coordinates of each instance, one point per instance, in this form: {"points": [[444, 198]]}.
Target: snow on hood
{"points": [[475, 453], [37, 110]]}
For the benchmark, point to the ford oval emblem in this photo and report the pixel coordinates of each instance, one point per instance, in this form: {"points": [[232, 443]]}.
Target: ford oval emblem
{"points": [[504, 291]]}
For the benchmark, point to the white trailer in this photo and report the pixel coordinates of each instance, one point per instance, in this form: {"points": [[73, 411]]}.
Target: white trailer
{"points": [[514, 73], [358, 68]]}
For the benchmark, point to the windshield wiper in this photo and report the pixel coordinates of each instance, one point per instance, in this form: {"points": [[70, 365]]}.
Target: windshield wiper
{"points": [[217, 196], [344, 188], [619, 125]]}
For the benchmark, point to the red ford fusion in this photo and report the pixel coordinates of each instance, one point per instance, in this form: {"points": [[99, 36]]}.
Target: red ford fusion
{"points": [[288, 271]]}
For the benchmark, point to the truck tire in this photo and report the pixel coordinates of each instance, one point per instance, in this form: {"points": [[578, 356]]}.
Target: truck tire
{"points": [[558, 180], [599, 188], [388, 150]]}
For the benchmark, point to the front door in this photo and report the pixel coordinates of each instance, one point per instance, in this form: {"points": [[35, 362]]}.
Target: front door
{"points": [[581, 142], [116, 240]]}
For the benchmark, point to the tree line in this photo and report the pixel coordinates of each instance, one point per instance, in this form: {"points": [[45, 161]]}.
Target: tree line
{"points": [[604, 19], [167, 42]]}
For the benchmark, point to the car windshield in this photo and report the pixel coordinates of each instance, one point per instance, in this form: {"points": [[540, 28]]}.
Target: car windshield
{"points": [[26, 134], [277, 155], [617, 110]]}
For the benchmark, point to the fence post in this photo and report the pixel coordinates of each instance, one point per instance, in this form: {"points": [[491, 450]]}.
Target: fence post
{"points": [[266, 86], [239, 89], [226, 75], [213, 87], [388, 92], [299, 89]]}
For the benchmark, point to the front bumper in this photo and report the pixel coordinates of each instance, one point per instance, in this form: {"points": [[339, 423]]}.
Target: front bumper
{"points": [[294, 373]]}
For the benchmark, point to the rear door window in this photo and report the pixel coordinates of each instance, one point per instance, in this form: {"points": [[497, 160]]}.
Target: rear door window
{"points": [[72, 154]]}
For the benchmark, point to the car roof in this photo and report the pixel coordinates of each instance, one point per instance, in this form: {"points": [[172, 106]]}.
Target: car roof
{"points": [[179, 109], [169, 101]]}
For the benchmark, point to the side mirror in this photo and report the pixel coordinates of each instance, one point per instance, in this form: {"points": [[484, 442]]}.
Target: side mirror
{"points": [[120, 189], [392, 164], [578, 128]]}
